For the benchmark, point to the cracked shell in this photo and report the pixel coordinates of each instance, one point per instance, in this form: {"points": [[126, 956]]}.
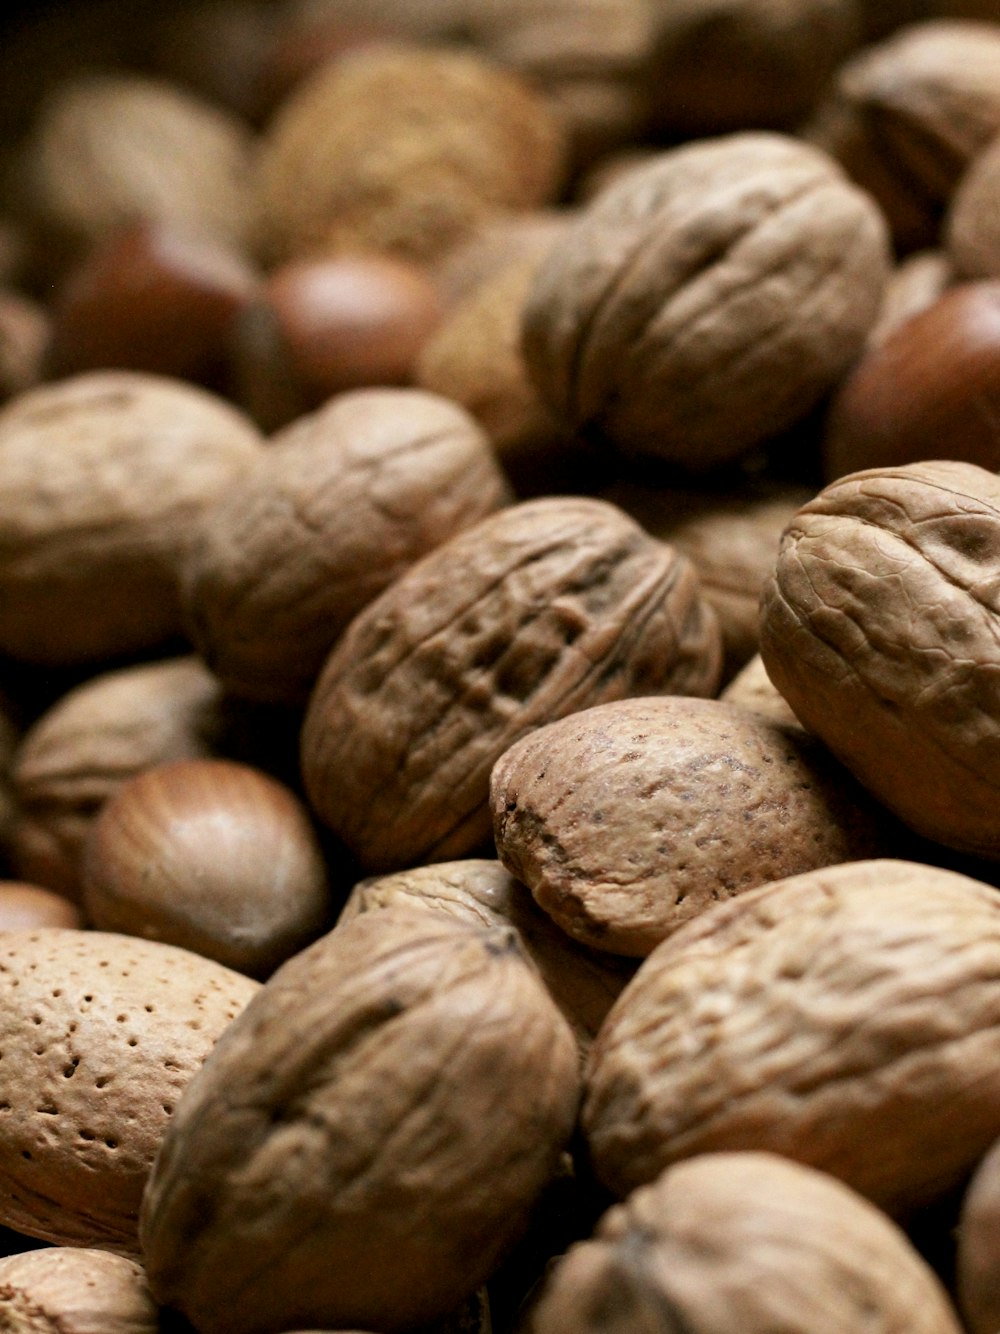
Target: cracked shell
{"points": [[371, 1137]]}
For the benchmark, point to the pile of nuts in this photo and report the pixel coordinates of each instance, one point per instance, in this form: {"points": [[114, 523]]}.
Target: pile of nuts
{"points": [[500, 667]]}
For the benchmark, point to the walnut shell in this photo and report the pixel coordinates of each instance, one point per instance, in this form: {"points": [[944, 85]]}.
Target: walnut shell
{"points": [[583, 983], [401, 1091], [100, 476], [100, 1034], [744, 1241], [340, 504], [89, 743], [881, 627], [707, 300], [628, 819], [75, 1290], [403, 149], [108, 150], [847, 1018], [540, 610]]}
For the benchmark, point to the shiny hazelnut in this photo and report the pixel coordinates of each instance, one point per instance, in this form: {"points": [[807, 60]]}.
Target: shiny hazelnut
{"points": [[152, 297], [331, 324], [213, 856], [27, 907], [930, 390]]}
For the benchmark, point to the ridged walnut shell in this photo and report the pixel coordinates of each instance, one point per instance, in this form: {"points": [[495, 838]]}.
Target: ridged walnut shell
{"points": [[339, 505], [75, 1290], [540, 610], [100, 1034], [848, 1018], [708, 299], [100, 477], [404, 149], [748, 1242], [370, 1138], [881, 627], [628, 819]]}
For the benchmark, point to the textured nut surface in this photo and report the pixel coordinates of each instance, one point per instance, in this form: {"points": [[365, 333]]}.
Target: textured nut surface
{"points": [[880, 626], [93, 739], [708, 299], [538, 611], [401, 1089], [583, 983], [75, 1290], [847, 1018], [100, 1034], [213, 856], [100, 476], [627, 819], [404, 149], [339, 505], [110, 149], [745, 1241]]}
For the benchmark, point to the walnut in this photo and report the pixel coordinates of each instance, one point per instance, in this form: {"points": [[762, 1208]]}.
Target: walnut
{"points": [[708, 300], [540, 610]]}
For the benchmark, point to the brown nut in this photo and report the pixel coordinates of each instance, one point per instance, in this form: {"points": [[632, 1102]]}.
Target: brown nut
{"points": [[100, 1034], [536, 612], [27, 907], [753, 689], [979, 1246], [108, 150], [907, 116], [75, 1290], [213, 856], [914, 284], [707, 300], [156, 297], [879, 627], [403, 149], [846, 1018], [583, 983], [403, 1088], [745, 1241], [627, 819], [971, 234], [25, 330], [932, 388], [93, 739], [340, 504], [100, 476]]}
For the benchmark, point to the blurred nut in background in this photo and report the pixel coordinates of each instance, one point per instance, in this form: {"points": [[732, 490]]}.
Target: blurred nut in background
{"points": [[915, 283], [28, 907], [24, 340], [972, 231]]}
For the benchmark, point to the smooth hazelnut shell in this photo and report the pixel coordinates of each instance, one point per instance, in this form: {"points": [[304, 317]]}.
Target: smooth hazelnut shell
{"points": [[210, 855], [26, 907], [930, 390]]}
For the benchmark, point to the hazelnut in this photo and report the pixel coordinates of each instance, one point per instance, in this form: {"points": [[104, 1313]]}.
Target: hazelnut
{"points": [[210, 855], [931, 389]]}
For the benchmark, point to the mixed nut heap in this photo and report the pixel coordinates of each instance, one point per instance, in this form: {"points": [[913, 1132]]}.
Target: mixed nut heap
{"points": [[500, 667]]}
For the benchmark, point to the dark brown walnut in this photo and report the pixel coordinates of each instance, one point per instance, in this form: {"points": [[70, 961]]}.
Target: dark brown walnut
{"points": [[745, 1241], [732, 540], [582, 982], [752, 688], [906, 117], [723, 65], [210, 855], [880, 628], [534, 613], [978, 1252], [100, 1034], [971, 234], [108, 150], [403, 149], [848, 1018], [27, 907], [101, 476], [915, 283], [708, 300], [75, 1290], [24, 339], [930, 389], [628, 819], [341, 503], [371, 1137], [89, 743]]}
